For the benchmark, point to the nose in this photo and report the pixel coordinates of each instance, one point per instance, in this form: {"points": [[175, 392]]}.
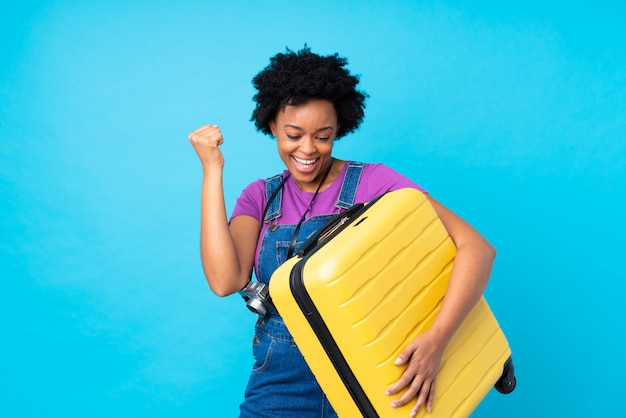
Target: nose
{"points": [[308, 145]]}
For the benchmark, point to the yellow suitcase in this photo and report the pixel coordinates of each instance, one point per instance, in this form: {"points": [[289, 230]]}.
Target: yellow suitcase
{"points": [[364, 287]]}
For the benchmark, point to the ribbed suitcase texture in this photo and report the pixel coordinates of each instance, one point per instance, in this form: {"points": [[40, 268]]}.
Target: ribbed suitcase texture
{"points": [[364, 291]]}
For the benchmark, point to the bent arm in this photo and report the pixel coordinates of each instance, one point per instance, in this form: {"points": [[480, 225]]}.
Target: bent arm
{"points": [[471, 271], [468, 279], [227, 251]]}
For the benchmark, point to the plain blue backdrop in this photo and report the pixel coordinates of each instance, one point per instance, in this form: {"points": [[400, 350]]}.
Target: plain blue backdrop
{"points": [[510, 113]]}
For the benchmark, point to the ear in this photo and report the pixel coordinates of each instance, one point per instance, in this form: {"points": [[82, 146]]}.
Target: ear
{"points": [[272, 125]]}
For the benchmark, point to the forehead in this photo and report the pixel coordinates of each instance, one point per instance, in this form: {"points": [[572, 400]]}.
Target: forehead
{"points": [[311, 113]]}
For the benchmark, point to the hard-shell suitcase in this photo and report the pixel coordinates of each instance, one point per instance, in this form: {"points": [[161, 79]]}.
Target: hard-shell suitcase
{"points": [[366, 285]]}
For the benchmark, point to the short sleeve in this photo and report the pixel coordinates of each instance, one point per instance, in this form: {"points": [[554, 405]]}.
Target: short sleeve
{"points": [[379, 178], [251, 201]]}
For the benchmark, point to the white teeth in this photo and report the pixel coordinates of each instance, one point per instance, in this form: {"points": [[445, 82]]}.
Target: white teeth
{"points": [[305, 162]]}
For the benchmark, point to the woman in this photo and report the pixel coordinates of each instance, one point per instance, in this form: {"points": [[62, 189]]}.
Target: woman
{"points": [[307, 101]]}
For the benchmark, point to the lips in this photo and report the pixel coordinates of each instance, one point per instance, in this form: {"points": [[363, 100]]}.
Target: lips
{"points": [[304, 164]]}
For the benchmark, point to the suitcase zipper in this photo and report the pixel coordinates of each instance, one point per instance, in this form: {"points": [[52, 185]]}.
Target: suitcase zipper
{"points": [[315, 320], [306, 305]]}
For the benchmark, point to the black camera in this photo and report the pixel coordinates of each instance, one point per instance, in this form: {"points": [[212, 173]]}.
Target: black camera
{"points": [[257, 297]]}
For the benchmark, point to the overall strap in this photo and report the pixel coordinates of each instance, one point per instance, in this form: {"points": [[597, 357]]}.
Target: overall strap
{"points": [[274, 195], [349, 185]]}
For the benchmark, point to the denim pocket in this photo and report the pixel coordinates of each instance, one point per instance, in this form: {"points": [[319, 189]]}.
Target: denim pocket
{"points": [[282, 248], [262, 348]]}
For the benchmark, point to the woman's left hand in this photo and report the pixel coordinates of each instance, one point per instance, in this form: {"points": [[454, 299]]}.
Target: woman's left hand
{"points": [[422, 358]]}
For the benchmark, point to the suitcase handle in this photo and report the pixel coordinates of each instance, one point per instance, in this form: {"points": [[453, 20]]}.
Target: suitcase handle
{"points": [[330, 229]]}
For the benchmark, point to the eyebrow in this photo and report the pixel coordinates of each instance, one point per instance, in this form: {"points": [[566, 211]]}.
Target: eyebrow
{"points": [[301, 129]]}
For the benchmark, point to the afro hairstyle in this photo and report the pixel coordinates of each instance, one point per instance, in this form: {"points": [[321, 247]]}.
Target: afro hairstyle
{"points": [[293, 78]]}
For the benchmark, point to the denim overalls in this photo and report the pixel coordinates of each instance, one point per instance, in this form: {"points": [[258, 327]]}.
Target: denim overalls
{"points": [[281, 384]]}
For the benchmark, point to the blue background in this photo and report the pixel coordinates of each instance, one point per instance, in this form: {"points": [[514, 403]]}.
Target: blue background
{"points": [[510, 113]]}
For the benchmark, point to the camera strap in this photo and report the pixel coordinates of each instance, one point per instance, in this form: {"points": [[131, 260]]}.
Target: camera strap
{"points": [[294, 238], [273, 196]]}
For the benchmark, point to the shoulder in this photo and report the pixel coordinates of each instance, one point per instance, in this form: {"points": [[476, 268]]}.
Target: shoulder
{"points": [[255, 188], [251, 200], [376, 170], [258, 186], [378, 178]]}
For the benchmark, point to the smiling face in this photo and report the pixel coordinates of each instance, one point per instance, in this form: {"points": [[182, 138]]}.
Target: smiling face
{"points": [[305, 135]]}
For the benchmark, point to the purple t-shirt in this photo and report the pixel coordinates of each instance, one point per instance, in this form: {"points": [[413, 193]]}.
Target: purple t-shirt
{"points": [[376, 179]]}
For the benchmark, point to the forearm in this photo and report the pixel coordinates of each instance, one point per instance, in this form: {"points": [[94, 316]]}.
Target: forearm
{"points": [[220, 261], [470, 273], [469, 277]]}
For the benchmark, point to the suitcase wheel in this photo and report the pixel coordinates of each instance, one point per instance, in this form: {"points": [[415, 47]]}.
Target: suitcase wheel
{"points": [[507, 381]]}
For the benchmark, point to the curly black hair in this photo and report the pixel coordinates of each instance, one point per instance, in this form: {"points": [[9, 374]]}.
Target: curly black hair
{"points": [[294, 78]]}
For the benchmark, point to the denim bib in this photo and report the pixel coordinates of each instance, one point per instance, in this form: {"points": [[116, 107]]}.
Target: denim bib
{"points": [[281, 383], [277, 238]]}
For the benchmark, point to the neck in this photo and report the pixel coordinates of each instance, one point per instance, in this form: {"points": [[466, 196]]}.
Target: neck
{"points": [[323, 179]]}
